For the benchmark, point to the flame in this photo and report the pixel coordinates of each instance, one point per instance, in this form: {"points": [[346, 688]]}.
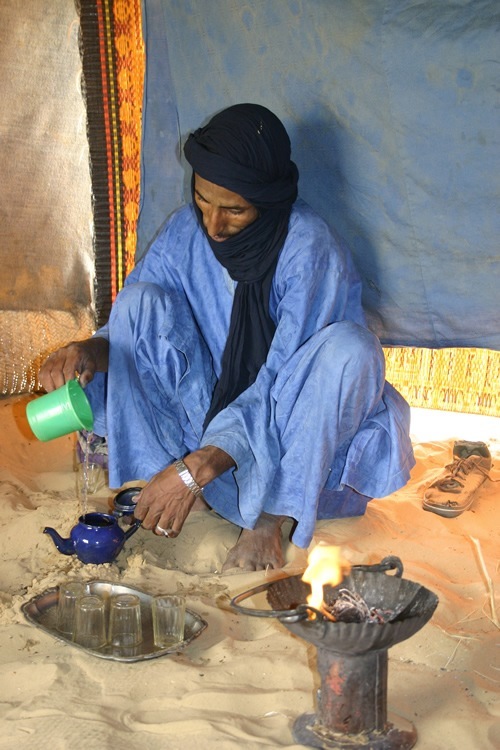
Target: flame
{"points": [[325, 566]]}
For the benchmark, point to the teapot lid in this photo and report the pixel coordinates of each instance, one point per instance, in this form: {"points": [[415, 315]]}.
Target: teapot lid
{"points": [[125, 501]]}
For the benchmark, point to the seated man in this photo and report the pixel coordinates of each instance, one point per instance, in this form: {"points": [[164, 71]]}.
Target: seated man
{"points": [[236, 368]]}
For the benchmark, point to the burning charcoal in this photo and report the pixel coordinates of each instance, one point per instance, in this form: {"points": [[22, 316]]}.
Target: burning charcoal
{"points": [[348, 607], [380, 615], [351, 607]]}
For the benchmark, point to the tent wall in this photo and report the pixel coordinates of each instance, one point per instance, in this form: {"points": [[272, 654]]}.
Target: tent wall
{"points": [[392, 109], [46, 255]]}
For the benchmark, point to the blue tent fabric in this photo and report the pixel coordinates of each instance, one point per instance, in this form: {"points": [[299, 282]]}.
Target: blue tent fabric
{"points": [[161, 170], [392, 110]]}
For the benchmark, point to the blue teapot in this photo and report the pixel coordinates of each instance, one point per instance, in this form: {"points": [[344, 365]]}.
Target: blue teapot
{"points": [[97, 538]]}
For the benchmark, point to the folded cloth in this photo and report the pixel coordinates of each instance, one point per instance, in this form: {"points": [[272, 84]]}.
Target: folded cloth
{"points": [[92, 446], [454, 491]]}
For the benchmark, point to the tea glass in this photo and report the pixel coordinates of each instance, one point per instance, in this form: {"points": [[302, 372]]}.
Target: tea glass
{"points": [[169, 612], [125, 624], [69, 593], [91, 477], [90, 622]]}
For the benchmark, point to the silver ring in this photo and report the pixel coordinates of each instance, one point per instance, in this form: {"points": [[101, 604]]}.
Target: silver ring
{"points": [[165, 532]]}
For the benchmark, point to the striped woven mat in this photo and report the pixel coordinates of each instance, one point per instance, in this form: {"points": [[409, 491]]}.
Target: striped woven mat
{"points": [[113, 60]]}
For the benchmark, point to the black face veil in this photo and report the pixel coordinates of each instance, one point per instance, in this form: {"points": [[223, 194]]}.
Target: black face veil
{"points": [[246, 149]]}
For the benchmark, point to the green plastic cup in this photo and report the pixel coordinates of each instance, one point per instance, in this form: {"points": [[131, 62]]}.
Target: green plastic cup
{"points": [[60, 412]]}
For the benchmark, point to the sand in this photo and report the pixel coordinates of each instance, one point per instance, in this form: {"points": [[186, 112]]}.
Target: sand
{"points": [[244, 680]]}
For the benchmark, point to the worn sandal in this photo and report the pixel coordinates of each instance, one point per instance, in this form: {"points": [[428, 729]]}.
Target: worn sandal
{"points": [[454, 491]]}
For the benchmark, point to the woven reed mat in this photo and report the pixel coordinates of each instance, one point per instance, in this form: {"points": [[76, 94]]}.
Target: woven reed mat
{"points": [[462, 380], [27, 337]]}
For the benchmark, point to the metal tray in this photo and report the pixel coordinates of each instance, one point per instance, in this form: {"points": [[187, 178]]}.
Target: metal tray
{"points": [[41, 611]]}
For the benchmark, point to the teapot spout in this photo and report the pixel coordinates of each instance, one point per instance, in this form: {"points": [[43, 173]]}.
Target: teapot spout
{"points": [[65, 546]]}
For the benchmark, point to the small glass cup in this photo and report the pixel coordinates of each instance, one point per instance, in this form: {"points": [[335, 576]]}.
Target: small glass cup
{"points": [[91, 477], [125, 624], [90, 622], [169, 613], [69, 593]]}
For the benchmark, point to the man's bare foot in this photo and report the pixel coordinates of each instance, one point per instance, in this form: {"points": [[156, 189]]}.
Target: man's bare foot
{"points": [[258, 548]]}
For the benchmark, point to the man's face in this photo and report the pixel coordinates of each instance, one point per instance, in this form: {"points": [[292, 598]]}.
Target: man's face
{"points": [[224, 213]]}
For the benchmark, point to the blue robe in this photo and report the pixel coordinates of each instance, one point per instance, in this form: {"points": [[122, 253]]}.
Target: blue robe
{"points": [[316, 435]]}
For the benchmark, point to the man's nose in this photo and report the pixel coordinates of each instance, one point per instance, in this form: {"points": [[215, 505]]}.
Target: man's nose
{"points": [[214, 221]]}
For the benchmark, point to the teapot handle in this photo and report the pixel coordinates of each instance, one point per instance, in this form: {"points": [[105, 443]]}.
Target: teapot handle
{"points": [[133, 528]]}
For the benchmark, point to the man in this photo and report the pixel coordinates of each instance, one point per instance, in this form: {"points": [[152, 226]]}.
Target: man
{"points": [[236, 369]]}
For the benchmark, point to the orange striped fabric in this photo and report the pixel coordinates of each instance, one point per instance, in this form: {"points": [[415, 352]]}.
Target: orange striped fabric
{"points": [[113, 62]]}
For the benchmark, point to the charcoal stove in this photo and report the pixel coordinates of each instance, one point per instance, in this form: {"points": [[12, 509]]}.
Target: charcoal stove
{"points": [[352, 657]]}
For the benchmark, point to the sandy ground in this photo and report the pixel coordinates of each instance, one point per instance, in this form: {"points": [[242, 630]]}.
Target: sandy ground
{"points": [[244, 680]]}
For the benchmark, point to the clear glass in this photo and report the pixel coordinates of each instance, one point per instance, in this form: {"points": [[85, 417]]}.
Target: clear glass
{"points": [[90, 622], [169, 613], [125, 623], [91, 477], [69, 593]]}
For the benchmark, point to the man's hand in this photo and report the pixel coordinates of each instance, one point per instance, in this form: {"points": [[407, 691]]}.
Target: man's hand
{"points": [[165, 501], [84, 358]]}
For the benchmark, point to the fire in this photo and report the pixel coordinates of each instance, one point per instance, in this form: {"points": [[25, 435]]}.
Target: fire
{"points": [[325, 566]]}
